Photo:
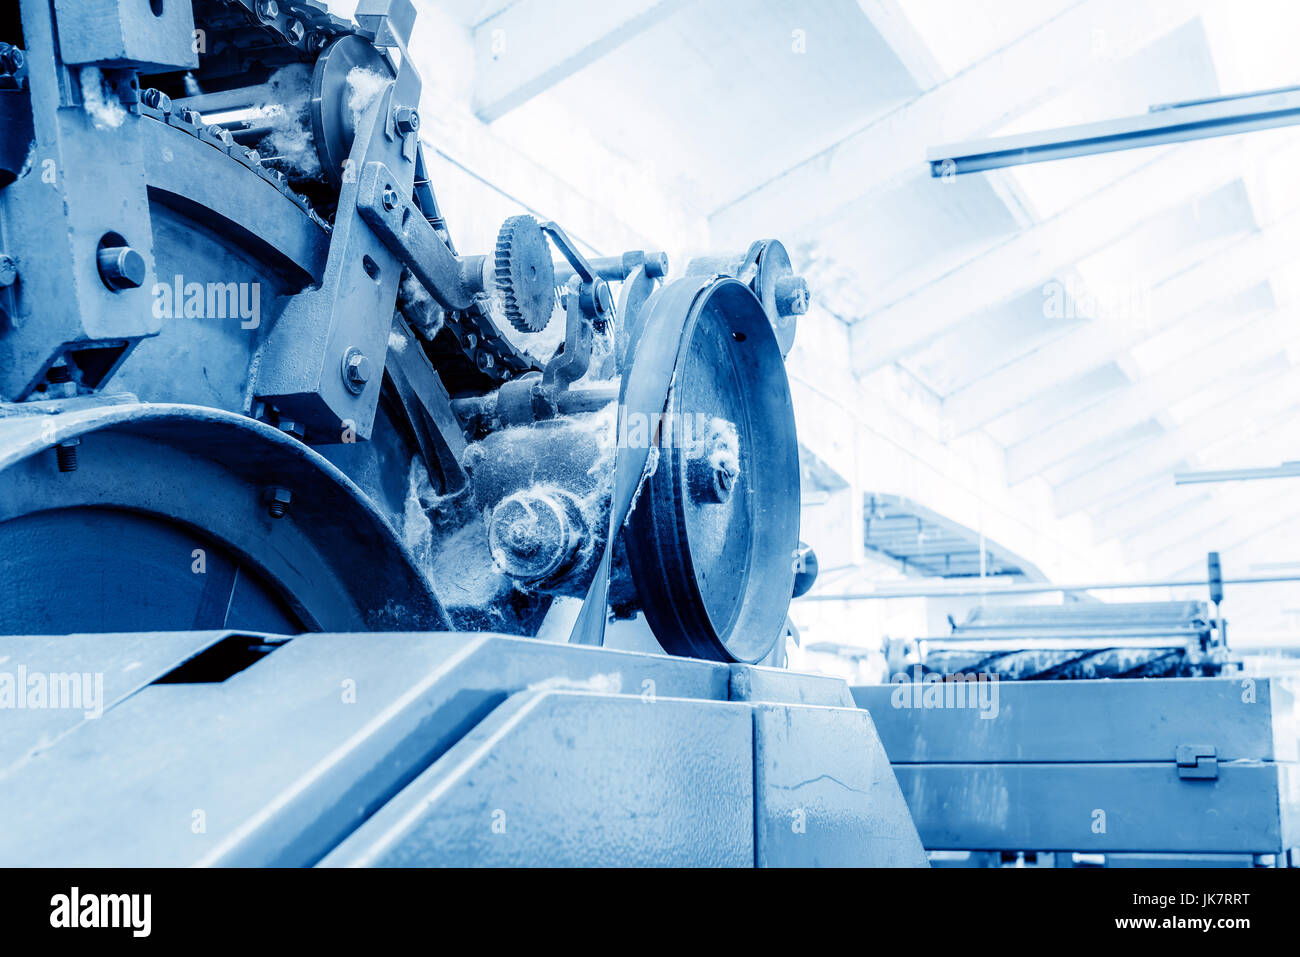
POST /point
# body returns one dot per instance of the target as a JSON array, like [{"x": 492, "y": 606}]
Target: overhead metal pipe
[
  {"x": 1169, "y": 123},
  {"x": 1037, "y": 588}
]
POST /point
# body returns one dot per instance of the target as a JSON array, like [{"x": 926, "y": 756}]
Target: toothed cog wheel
[{"x": 525, "y": 275}]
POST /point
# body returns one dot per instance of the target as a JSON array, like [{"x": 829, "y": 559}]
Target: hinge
[{"x": 1196, "y": 761}]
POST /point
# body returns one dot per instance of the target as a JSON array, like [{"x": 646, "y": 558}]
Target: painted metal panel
[
  {"x": 1128, "y": 720},
  {"x": 82, "y": 677},
  {"x": 571, "y": 779},
  {"x": 279, "y": 762},
  {"x": 1094, "y": 808},
  {"x": 825, "y": 795}
]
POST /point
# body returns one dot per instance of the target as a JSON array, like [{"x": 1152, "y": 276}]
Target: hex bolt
[
  {"x": 406, "y": 119},
  {"x": 66, "y": 453},
  {"x": 296, "y": 30},
  {"x": 292, "y": 427},
  {"x": 267, "y": 10},
  {"x": 791, "y": 296},
  {"x": 121, "y": 267},
  {"x": 8, "y": 270},
  {"x": 11, "y": 58},
  {"x": 277, "y": 501},
  {"x": 390, "y": 199},
  {"x": 604, "y": 298},
  {"x": 356, "y": 370}
]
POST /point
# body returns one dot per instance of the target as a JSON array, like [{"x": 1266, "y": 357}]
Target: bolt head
[
  {"x": 357, "y": 370},
  {"x": 268, "y": 9},
  {"x": 390, "y": 198},
  {"x": 8, "y": 271},
  {"x": 281, "y": 495},
  {"x": 12, "y": 59},
  {"x": 121, "y": 267},
  {"x": 296, "y": 30}
]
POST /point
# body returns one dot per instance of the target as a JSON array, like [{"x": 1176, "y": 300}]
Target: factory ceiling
[{"x": 1107, "y": 320}]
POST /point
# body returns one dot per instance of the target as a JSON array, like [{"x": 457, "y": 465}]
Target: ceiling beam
[
  {"x": 1270, "y": 397},
  {"x": 1157, "y": 503},
  {"x": 1036, "y": 255},
  {"x": 1214, "y": 280},
  {"x": 1194, "y": 524},
  {"x": 1240, "y": 343},
  {"x": 1232, "y": 541},
  {"x": 975, "y": 102},
  {"x": 896, "y": 29},
  {"x": 532, "y": 45}
]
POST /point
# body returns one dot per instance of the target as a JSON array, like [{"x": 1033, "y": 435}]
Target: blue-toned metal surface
[
  {"x": 573, "y": 779},
  {"x": 811, "y": 812},
  {"x": 1165, "y": 766},
  {"x": 80, "y": 677},
  {"x": 279, "y": 762},
  {"x": 130, "y": 461}
]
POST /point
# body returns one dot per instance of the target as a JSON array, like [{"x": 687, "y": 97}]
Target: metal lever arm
[{"x": 393, "y": 216}]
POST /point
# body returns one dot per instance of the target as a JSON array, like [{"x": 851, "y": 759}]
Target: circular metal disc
[
  {"x": 331, "y": 118},
  {"x": 113, "y": 543},
  {"x": 714, "y": 573},
  {"x": 117, "y": 570}
]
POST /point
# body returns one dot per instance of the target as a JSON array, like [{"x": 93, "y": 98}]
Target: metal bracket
[
  {"x": 392, "y": 215},
  {"x": 1196, "y": 762},
  {"x": 589, "y": 307}
]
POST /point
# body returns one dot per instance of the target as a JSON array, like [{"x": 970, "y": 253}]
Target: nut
[
  {"x": 406, "y": 119},
  {"x": 356, "y": 370},
  {"x": 277, "y": 501}
]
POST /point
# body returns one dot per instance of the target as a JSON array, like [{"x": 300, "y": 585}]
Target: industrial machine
[
  {"x": 1013, "y": 741},
  {"x": 1149, "y": 772},
  {"x": 1080, "y": 640},
  {"x": 290, "y": 486}
]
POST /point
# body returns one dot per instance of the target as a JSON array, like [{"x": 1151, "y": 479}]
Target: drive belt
[{"x": 645, "y": 391}]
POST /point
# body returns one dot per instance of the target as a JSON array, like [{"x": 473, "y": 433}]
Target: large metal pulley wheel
[
  {"x": 711, "y": 537},
  {"x": 139, "y": 517}
]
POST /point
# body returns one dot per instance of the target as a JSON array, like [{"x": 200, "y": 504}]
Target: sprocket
[{"x": 525, "y": 275}]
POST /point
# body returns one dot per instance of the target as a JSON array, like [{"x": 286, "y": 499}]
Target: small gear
[{"x": 525, "y": 275}]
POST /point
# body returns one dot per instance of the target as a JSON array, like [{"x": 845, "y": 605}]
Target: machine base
[{"x": 220, "y": 748}]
